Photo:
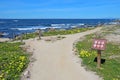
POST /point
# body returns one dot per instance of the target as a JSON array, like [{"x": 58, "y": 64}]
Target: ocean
[{"x": 18, "y": 26}]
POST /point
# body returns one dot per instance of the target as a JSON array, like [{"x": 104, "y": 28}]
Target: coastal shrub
[
  {"x": 64, "y": 32},
  {"x": 26, "y": 36},
  {"x": 12, "y": 61},
  {"x": 55, "y": 32}
]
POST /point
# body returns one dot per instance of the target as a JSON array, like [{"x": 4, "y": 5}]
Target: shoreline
[
  {"x": 44, "y": 29},
  {"x": 4, "y": 39}
]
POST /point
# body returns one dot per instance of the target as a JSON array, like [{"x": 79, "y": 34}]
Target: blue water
[{"x": 18, "y": 26}]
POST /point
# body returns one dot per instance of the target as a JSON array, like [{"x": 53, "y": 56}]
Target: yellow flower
[
  {"x": 1, "y": 75},
  {"x": 22, "y": 58},
  {"x": 84, "y": 53},
  {"x": 114, "y": 79}
]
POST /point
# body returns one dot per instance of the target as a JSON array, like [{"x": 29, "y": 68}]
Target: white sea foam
[
  {"x": 15, "y": 20},
  {"x": 73, "y": 26},
  {"x": 33, "y": 28},
  {"x": 81, "y": 24},
  {"x": 58, "y": 25},
  {"x": 21, "y": 29},
  {"x": 4, "y": 34}
]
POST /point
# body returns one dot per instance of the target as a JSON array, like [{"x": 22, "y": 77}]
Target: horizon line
[{"x": 59, "y": 18}]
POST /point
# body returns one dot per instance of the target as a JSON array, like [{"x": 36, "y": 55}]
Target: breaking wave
[{"x": 32, "y": 28}]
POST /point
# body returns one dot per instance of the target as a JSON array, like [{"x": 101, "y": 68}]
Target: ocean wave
[
  {"x": 15, "y": 20},
  {"x": 21, "y": 29},
  {"x": 32, "y": 28},
  {"x": 4, "y": 34},
  {"x": 67, "y": 24},
  {"x": 58, "y": 25}
]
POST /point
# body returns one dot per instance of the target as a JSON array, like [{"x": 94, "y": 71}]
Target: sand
[
  {"x": 4, "y": 39},
  {"x": 55, "y": 60}
]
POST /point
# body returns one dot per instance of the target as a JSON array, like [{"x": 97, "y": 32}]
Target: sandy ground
[
  {"x": 4, "y": 39},
  {"x": 56, "y": 61},
  {"x": 114, "y": 37}
]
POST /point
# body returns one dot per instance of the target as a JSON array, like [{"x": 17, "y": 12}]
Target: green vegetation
[
  {"x": 55, "y": 32},
  {"x": 26, "y": 36},
  {"x": 13, "y": 61},
  {"x": 110, "y": 70},
  {"x": 65, "y": 32}
]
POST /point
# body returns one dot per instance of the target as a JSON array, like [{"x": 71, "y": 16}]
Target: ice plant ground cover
[
  {"x": 65, "y": 32},
  {"x": 13, "y": 60},
  {"x": 110, "y": 70},
  {"x": 57, "y": 32}
]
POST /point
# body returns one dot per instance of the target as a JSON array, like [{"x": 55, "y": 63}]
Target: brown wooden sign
[{"x": 99, "y": 44}]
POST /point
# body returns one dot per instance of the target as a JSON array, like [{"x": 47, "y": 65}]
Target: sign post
[
  {"x": 21, "y": 37},
  {"x": 99, "y": 45},
  {"x": 98, "y": 59}
]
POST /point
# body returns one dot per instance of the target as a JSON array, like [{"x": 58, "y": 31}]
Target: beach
[{"x": 56, "y": 59}]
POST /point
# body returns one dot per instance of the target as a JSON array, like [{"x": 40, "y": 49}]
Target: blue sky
[{"x": 59, "y": 9}]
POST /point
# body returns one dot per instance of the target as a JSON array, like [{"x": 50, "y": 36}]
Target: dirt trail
[{"x": 56, "y": 61}]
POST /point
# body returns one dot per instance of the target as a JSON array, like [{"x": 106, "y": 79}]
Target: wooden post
[
  {"x": 39, "y": 34},
  {"x": 25, "y": 34},
  {"x": 99, "y": 59},
  {"x": 21, "y": 37}
]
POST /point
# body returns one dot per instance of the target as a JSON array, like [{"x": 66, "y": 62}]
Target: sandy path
[
  {"x": 4, "y": 39},
  {"x": 56, "y": 61}
]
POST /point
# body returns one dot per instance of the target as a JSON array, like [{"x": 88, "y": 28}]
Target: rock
[
  {"x": 26, "y": 74},
  {"x": 1, "y": 34}
]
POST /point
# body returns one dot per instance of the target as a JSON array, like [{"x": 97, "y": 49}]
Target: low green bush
[
  {"x": 12, "y": 61},
  {"x": 65, "y": 32},
  {"x": 55, "y": 32}
]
